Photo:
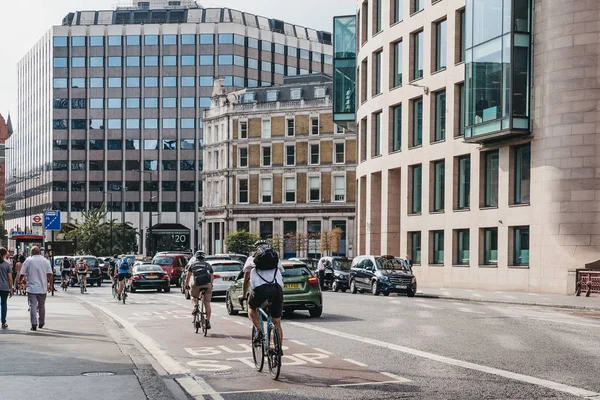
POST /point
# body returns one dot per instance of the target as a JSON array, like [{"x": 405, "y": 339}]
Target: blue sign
[
  {"x": 52, "y": 220},
  {"x": 18, "y": 233}
]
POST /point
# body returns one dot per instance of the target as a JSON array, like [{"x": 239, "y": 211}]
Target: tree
[
  {"x": 93, "y": 233},
  {"x": 241, "y": 242},
  {"x": 277, "y": 243}
]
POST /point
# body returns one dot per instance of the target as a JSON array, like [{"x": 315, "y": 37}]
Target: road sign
[
  {"x": 36, "y": 220},
  {"x": 52, "y": 220}
]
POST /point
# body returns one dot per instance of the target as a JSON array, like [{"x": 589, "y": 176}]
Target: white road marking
[
  {"x": 194, "y": 386},
  {"x": 470, "y": 311},
  {"x": 477, "y": 295},
  {"x": 366, "y": 384},
  {"x": 396, "y": 377},
  {"x": 355, "y": 362},
  {"x": 446, "y": 293},
  {"x": 532, "y": 294},
  {"x": 428, "y": 306},
  {"x": 322, "y": 351},
  {"x": 297, "y": 342},
  {"x": 499, "y": 292},
  {"x": 510, "y": 297},
  {"x": 243, "y": 391},
  {"x": 560, "y": 387}
]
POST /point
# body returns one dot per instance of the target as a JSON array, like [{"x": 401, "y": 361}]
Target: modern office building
[
  {"x": 277, "y": 165},
  {"x": 110, "y": 108},
  {"x": 478, "y": 128}
]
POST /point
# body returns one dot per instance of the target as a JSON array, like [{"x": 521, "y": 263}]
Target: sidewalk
[
  {"x": 73, "y": 357},
  {"x": 539, "y": 299}
]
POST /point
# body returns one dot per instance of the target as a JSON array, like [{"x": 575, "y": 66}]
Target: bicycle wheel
[
  {"x": 274, "y": 353},
  {"x": 81, "y": 286},
  {"x": 204, "y": 325},
  {"x": 124, "y": 295},
  {"x": 258, "y": 353},
  {"x": 196, "y": 323}
]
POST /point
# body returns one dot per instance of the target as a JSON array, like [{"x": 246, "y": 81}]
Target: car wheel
[
  {"x": 353, "y": 287},
  {"x": 344, "y": 290},
  {"x": 335, "y": 287},
  {"x": 410, "y": 293},
  {"x": 99, "y": 283},
  {"x": 167, "y": 289},
  {"x": 229, "y": 306},
  {"x": 386, "y": 294},
  {"x": 316, "y": 312},
  {"x": 375, "y": 288},
  {"x": 159, "y": 290}
]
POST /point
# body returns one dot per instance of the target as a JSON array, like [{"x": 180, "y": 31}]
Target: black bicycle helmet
[
  {"x": 200, "y": 254},
  {"x": 261, "y": 243}
]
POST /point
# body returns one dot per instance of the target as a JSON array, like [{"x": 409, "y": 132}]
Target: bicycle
[
  {"x": 270, "y": 344},
  {"x": 200, "y": 316},
  {"x": 81, "y": 284},
  {"x": 125, "y": 289},
  {"x": 115, "y": 288}
]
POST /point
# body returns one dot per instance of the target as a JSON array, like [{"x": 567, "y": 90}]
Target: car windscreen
[
  {"x": 391, "y": 264},
  {"x": 296, "y": 270},
  {"x": 229, "y": 267},
  {"x": 163, "y": 260},
  {"x": 148, "y": 268},
  {"x": 341, "y": 265},
  {"x": 91, "y": 262}
]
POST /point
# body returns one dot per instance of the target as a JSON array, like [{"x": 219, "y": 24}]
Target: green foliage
[
  {"x": 93, "y": 233},
  {"x": 241, "y": 242}
]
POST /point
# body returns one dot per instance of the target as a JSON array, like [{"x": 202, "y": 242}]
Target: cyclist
[
  {"x": 65, "y": 271},
  {"x": 112, "y": 270},
  {"x": 82, "y": 268},
  {"x": 124, "y": 272},
  {"x": 203, "y": 282},
  {"x": 264, "y": 272}
]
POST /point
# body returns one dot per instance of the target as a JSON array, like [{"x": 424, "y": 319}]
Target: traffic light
[{"x": 18, "y": 247}]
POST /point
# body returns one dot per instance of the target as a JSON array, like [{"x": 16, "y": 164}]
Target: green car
[{"x": 301, "y": 290}]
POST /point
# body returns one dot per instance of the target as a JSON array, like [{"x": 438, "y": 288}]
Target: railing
[
  {"x": 588, "y": 281},
  {"x": 268, "y": 106}
]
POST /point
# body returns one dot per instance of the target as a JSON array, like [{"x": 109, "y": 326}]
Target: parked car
[
  {"x": 225, "y": 272},
  {"x": 382, "y": 274},
  {"x": 171, "y": 263},
  {"x": 301, "y": 290},
  {"x": 218, "y": 257},
  {"x": 148, "y": 276},
  {"x": 94, "y": 274},
  {"x": 103, "y": 267},
  {"x": 141, "y": 262},
  {"x": 337, "y": 273}
]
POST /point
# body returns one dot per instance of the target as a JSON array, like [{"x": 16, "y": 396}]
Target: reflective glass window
[
  {"x": 188, "y": 60},
  {"x": 78, "y": 83},
  {"x": 279, "y": 48},
  {"x": 188, "y": 144},
  {"x": 169, "y": 144},
  {"x": 169, "y": 81},
  {"x": 132, "y": 123},
  {"x": 78, "y": 124},
  {"x": 151, "y": 102},
  {"x": 416, "y": 178},
  {"x": 188, "y": 81},
  {"x": 97, "y": 103},
  {"x": 207, "y": 60},
  {"x": 252, "y": 63},
  {"x": 133, "y": 81},
  {"x": 169, "y": 102},
  {"x": 114, "y": 124},
  {"x": 279, "y": 69},
  {"x": 252, "y": 43},
  {"x": 132, "y": 144},
  {"x": 397, "y": 73},
  {"x": 225, "y": 59},
  {"x": 418, "y": 39},
  {"x": 59, "y": 83},
  {"x": 60, "y": 41},
  {"x": 77, "y": 41},
  {"x": 150, "y": 123},
  {"x": 188, "y": 39},
  {"x": 96, "y": 62},
  {"x": 132, "y": 102},
  {"x": 252, "y": 83},
  {"x": 115, "y": 61},
  {"x": 169, "y": 61},
  {"x": 96, "y": 82},
  {"x": 115, "y": 40},
  {"x": 169, "y": 123},
  {"x": 206, "y": 81},
  {"x": 60, "y": 104},
  {"x": 114, "y": 82},
  {"x": 169, "y": 40},
  {"x": 417, "y": 138},
  {"x": 204, "y": 102},
  {"x": 151, "y": 61},
  {"x": 188, "y": 102},
  {"x": 440, "y": 116},
  {"x": 239, "y": 61},
  {"x": 187, "y": 165},
  {"x": 151, "y": 81},
  {"x": 187, "y": 123},
  {"x": 150, "y": 40},
  {"x": 441, "y": 45},
  {"x": 169, "y": 165},
  {"x": 266, "y": 66},
  {"x": 132, "y": 40},
  {"x": 239, "y": 40},
  {"x": 96, "y": 144},
  {"x": 225, "y": 38},
  {"x": 132, "y": 61},
  {"x": 60, "y": 62},
  {"x": 96, "y": 41},
  {"x": 114, "y": 144},
  {"x": 78, "y": 104},
  {"x": 207, "y": 39}
]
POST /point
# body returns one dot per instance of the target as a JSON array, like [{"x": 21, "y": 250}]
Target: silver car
[{"x": 225, "y": 273}]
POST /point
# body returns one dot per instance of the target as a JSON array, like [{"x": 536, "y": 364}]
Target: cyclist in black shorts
[
  {"x": 266, "y": 284},
  {"x": 112, "y": 270},
  {"x": 82, "y": 268},
  {"x": 65, "y": 270},
  {"x": 124, "y": 270}
]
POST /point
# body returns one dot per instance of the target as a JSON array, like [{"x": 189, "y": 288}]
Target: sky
[{"x": 25, "y": 22}]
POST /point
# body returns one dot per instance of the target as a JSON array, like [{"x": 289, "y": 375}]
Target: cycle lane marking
[{"x": 560, "y": 387}]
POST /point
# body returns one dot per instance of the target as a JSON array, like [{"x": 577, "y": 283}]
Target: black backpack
[
  {"x": 201, "y": 273},
  {"x": 266, "y": 258}
]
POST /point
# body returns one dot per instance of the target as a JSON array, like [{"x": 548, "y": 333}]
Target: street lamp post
[
  {"x": 150, "y": 238},
  {"x": 111, "y": 222}
]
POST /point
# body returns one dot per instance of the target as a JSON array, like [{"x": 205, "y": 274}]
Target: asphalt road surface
[{"x": 366, "y": 347}]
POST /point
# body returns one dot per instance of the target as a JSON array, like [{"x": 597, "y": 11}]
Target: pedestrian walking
[
  {"x": 6, "y": 284},
  {"x": 38, "y": 273},
  {"x": 19, "y": 264},
  {"x": 321, "y": 272}
]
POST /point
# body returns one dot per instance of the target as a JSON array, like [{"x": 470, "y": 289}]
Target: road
[{"x": 367, "y": 347}]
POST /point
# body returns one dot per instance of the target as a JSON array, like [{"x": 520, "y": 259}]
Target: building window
[
  {"x": 171, "y": 61},
  {"x": 266, "y": 156},
  {"x": 460, "y": 121},
  {"x": 149, "y": 40},
  {"x": 340, "y": 153},
  {"x": 248, "y": 97},
  {"x": 396, "y": 114},
  {"x": 441, "y": 47},
  {"x": 290, "y": 155},
  {"x": 462, "y": 247},
  {"x": 440, "y": 116},
  {"x": 521, "y": 245},
  {"x": 295, "y": 94},
  {"x": 272, "y": 95},
  {"x": 490, "y": 246},
  {"x": 464, "y": 182},
  {"x": 438, "y": 185},
  {"x": 397, "y": 12},
  {"x": 376, "y": 82},
  {"x": 266, "y": 190},
  {"x": 266, "y": 128},
  {"x": 151, "y": 81},
  {"x": 463, "y": 36},
  {"x": 397, "y": 67},
  {"x": 243, "y": 191},
  {"x": 415, "y": 247},
  {"x": 133, "y": 82},
  {"x": 314, "y": 126},
  {"x": 243, "y": 129},
  {"x": 290, "y": 190},
  {"x": 290, "y": 126},
  {"x": 314, "y": 154},
  {"x": 243, "y": 157},
  {"x": 339, "y": 188},
  {"x": 320, "y": 92},
  {"x": 314, "y": 189},
  {"x": 417, "y": 123},
  {"x": 115, "y": 61},
  {"x": 376, "y": 135},
  {"x": 78, "y": 41},
  {"x": 491, "y": 179},
  {"x": 418, "y": 55},
  {"x": 363, "y": 139},
  {"x": 522, "y": 177},
  {"x": 418, "y": 5},
  {"x": 416, "y": 181},
  {"x": 378, "y": 16},
  {"x": 132, "y": 61},
  {"x": 438, "y": 247}
]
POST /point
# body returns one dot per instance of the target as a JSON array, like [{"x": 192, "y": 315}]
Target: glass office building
[{"x": 110, "y": 108}]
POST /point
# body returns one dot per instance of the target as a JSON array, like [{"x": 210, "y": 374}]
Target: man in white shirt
[
  {"x": 266, "y": 285},
  {"x": 321, "y": 271},
  {"x": 38, "y": 273}
]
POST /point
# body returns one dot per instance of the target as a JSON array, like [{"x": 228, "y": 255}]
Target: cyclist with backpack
[
  {"x": 202, "y": 274},
  {"x": 123, "y": 273},
  {"x": 65, "y": 271},
  {"x": 82, "y": 268},
  {"x": 264, "y": 271}
]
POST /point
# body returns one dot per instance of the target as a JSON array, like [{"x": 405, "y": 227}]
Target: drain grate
[{"x": 98, "y": 373}]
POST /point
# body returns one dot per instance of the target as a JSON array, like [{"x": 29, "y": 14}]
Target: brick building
[
  {"x": 276, "y": 165},
  {"x": 6, "y": 130}
]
